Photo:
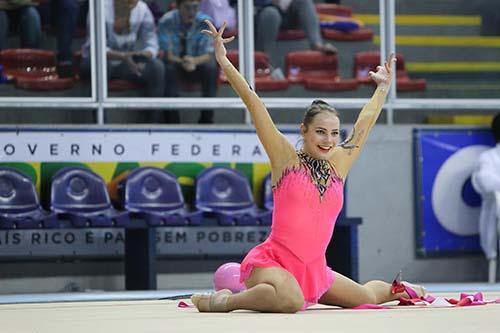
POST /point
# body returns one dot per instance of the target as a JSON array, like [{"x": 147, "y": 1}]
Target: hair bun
[{"x": 319, "y": 102}]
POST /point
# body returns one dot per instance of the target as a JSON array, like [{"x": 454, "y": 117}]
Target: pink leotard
[{"x": 303, "y": 223}]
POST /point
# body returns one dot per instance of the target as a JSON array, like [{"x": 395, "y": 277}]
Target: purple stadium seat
[
  {"x": 154, "y": 195},
  {"x": 226, "y": 194},
  {"x": 81, "y": 195},
  {"x": 19, "y": 204},
  {"x": 267, "y": 188}
]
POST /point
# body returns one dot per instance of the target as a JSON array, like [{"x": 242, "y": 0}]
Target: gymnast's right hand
[{"x": 220, "y": 49}]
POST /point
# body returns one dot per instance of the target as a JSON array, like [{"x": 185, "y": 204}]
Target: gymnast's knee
[{"x": 290, "y": 302}]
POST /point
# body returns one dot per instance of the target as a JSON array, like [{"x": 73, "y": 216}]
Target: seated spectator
[
  {"x": 63, "y": 16},
  {"x": 273, "y": 15},
  {"x": 221, "y": 11},
  {"x": 132, "y": 46},
  {"x": 486, "y": 181},
  {"x": 26, "y": 17},
  {"x": 187, "y": 53}
]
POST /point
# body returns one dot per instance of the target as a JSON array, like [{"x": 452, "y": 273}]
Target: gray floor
[{"x": 183, "y": 293}]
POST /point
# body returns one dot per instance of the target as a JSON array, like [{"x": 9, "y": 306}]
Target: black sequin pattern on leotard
[{"x": 320, "y": 170}]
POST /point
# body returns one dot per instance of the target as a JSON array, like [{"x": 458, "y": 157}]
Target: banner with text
[
  {"x": 40, "y": 152},
  {"x": 155, "y": 145}
]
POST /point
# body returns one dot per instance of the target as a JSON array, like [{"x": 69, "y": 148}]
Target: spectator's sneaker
[{"x": 325, "y": 48}]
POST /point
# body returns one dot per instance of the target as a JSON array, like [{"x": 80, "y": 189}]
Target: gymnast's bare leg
[
  {"x": 270, "y": 289},
  {"x": 348, "y": 294}
]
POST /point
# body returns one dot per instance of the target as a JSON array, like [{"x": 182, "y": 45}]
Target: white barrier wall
[{"x": 381, "y": 191}]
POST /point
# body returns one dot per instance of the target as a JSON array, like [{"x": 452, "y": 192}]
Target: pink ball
[{"x": 227, "y": 276}]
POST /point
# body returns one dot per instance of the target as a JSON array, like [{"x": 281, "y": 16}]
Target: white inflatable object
[{"x": 451, "y": 211}]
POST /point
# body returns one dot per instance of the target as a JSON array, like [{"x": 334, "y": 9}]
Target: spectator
[
  {"x": 221, "y": 11},
  {"x": 273, "y": 15},
  {"x": 187, "y": 53},
  {"x": 132, "y": 46},
  {"x": 486, "y": 181},
  {"x": 62, "y": 15},
  {"x": 25, "y": 16}
]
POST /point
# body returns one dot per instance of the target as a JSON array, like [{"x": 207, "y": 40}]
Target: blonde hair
[{"x": 317, "y": 106}]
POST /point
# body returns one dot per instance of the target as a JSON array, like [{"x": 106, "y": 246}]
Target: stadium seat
[
  {"x": 33, "y": 69},
  {"x": 28, "y": 62},
  {"x": 369, "y": 60},
  {"x": 291, "y": 34},
  {"x": 263, "y": 79},
  {"x": 267, "y": 195},
  {"x": 230, "y": 32},
  {"x": 117, "y": 85},
  {"x": 80, "y": 195},
  {"x": 45, "y": 83},
  {"x": 225, "y": 193},
  {"x": 19, "y": 204},
  {"x": 154, "y": 195},
  {"x": 333, "y": 9},
  {"x": 317, "y": 71},
  {"x": 360, "y": 34},
  {"x": 328, "y": 9}
]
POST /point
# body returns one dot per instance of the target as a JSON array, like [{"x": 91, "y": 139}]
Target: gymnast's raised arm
[
  {"x": 277, "y": 147},
  {"x": 348, "y": 151}
]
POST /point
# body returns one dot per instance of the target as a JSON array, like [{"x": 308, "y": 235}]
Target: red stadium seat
[
  {"x": 316, "y": 70},
  {"x": 28, "y": 62},
  {"x": 333, "y": 9},
  {"x": 45, "y": 83},
  {"x": 230, "y": 32},
  {"x": 361, "y": 34},
  {"x": 305, "y": 64},
  {"x": 122, "y": 85},
  {"x": 369, "y": 60},
  {"x": 291, "y": 34},
  {"x": 33, "y": 69},
  {"x": 263, "y": 79},
  {"x": 407, "y": 84},
  {"x": 329, "y": 84}
]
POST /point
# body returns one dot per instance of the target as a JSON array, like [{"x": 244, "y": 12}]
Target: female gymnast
[{"x": 288, "y": 272}]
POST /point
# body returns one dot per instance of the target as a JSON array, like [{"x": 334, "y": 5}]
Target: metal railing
[{"x": 100, "y": 101}]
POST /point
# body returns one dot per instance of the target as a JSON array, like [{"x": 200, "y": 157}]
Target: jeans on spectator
[
  {"x": 206, "y": 74},
  {"x": 29, "y": 26},
  {"x": 267, "y": 26},
  {"x": 63, "y": 16},
  {"x": 152, "y": 79},
  {"x": 269, "y": 21}
]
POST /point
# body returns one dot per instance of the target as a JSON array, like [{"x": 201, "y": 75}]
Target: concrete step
[{"x": 430, "y": 25}]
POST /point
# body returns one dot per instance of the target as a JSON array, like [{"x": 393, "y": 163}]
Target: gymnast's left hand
[
  {"x": 219, "y": 41},
  {"x": 383, "y": 76}
]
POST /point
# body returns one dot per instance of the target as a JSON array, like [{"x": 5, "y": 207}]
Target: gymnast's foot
[
  {"x": 410, "y": 290},
  {"x": 213, "y": 302}
]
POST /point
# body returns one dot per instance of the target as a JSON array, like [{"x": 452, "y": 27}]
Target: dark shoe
[{"x": 65, "y": 69}]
